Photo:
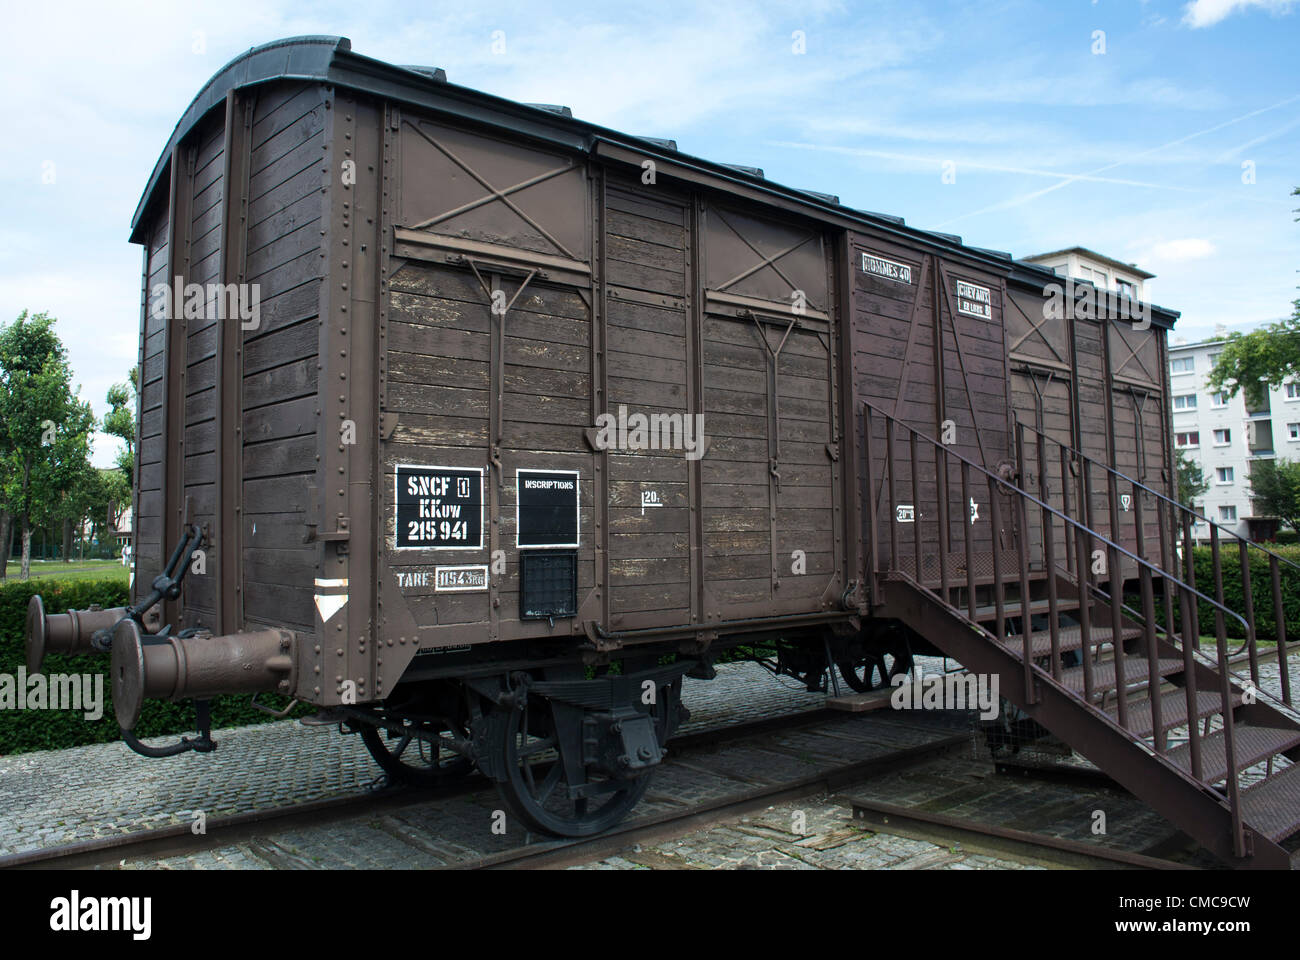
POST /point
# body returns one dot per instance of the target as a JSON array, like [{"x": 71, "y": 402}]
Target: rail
[
  {"x": 1089, "y": 554},
  {"x": 1181, "y": 520}
]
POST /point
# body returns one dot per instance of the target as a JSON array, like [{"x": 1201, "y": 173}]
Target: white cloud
[
  {"x": 1179, "y": 251},
  {"x": 1206, "y": 13}
]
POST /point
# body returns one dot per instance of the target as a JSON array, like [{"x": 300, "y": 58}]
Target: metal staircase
[{"x": 1072, "y": 598}]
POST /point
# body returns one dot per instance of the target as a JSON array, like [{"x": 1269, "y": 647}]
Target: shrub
[
  {"x": 1261, "y": 590},
  {"x": 22, "y": 731}
]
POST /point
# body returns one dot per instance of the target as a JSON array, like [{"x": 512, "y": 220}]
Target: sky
[{"x": 1164, "y": 133}]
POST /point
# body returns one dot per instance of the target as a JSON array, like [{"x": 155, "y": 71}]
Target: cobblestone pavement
[
  {"x": 58, "y": 797},
  {"x": 55, "y": 797}
]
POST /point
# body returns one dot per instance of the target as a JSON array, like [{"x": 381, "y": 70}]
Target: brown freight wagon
[{"x": 479, "y": 426}]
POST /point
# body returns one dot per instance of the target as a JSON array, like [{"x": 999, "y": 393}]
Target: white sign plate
[
  {"x": 468, "y": 579},
  {"x": 889, "y": 269},
  {"x": 974, "y": 300}
]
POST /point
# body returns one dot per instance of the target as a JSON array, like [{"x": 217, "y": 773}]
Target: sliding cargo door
[
  {"x": 1042, "y": 399},
  {"x": 1141, "y": 428},
  {"x": 652, "y": 426},
  {"x": 489, "y": 479},
  {"x": 771, "y": 484}
]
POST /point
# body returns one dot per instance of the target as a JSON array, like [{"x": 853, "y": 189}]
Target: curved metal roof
[{"x": 331, "y": 60}]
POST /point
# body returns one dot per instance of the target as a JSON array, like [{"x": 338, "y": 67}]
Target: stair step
[
  {"x": 1253, "y": 744},
  {"x": 1011, "y": 608},
  {"x": 1069, "y": 638},
  {"x": 1173, "y": 710},
  {"x": 1272, "y": 807},
  {"x": 1103, "y": 674}
]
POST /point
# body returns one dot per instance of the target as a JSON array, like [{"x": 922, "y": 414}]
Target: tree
[
  {"x": 1191, "y": 480},
  {"x": 1275, "y": 489},
  {"x": 119, "y": 421},
  {"x": 44, "y": 429},
  {"x": 69, "y": 473},
  {"x": 1265, "y": 357}
]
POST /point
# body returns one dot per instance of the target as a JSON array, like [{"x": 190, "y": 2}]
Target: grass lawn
[{"x": 83, "y": 570}]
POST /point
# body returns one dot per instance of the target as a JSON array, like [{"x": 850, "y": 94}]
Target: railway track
[
  {"x": 388, "y": 801},
  {"x": 707, "y": 755}
]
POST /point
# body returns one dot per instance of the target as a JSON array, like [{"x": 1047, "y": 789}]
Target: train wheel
[
  {"x": 553, "y": 793},
  {"x": 411, "y": 760}
]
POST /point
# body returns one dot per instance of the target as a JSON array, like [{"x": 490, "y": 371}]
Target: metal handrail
[
  {"x": 1181, "y": 520},
  {"x": 1165, "y": 497},
  {"x": 1146, "y": 568},
  {"x": 1070, "y": 520}
]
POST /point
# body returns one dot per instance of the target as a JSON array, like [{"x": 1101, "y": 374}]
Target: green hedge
[
  {"x": 22, "y": 731},
  {"x": 1261, "y": 582}
]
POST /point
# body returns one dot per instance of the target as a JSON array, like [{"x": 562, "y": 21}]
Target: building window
[
  {"x": 1219, "y": 399},
  {"x": 1126, "y": 289},
  {"x": 1223, "y": 475},
  {"x": 1186, "y": 401},
  {"x": 1293, "y": 431},
  {"x": 1182, "y": 365},
  {"x": 1228, "y": 514},
  {"x": 1222, "y": 438},
  {"x": 1190, "y": 438},
  {"x": 1293, "y": 391},
  {"x": 1214, "y": 358}
]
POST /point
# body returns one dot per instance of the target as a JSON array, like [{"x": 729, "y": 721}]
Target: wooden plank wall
[
  {"x": 646, "y": 269},
  {"x": 147, "y": 522},
  {"x": 279, "y": 402},
  {"x": 439, "y": 362},
  {"x": 897, "y": 364},
  {"x": 200, "y": 363},
  {"x": 891, "y": 336}
]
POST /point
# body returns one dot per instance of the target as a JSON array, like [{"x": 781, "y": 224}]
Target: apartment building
[
  {"x": 1224, "y": 436},
  {"x": 1103, "y": 272}
]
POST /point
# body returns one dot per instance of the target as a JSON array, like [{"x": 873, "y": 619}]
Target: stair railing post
[
  {"x": 892, "y": 519},
  {"x": 916, "y": 505},
  {"x": 1083, "y": 550},
  {"x": 1022, "y": 553},
  {"x": 1189, "y": 688},
  {"x": 1026, "y": 618},
  {"x": 999, "y": 595},
  {"x": 1116, "y": 605},
  {"x": 1218, "y": 581},
  {"x": 969, "y": 536},
  {"x": 945, "y": 532},
  {"x": 1149, "y": 624},
  {"x": 1248, "y": 601},
  {"x": 1049, "y": 556},
  {"x": 1068, "y": 534},
  {"x": 1189, "y": 578},
  {"x": 870, "y": 509},
  {"x": 1279, "y": 624},
  {"x": 1229, "y": 738},
  {"x": 1053, "y": 626}
]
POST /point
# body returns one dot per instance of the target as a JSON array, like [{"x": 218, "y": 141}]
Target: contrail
[{"x": 1025, "y": 198}]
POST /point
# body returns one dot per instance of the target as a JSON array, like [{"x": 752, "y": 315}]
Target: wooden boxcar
[{"x": 475, "y": 424}]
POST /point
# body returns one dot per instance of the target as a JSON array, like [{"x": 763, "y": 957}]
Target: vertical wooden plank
[
  {"x": 229, "y": 371},
  {"x": 599, "y": 388},
  {"x": 178, "y": 254},
  {"x": 855, "y": 448}
]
